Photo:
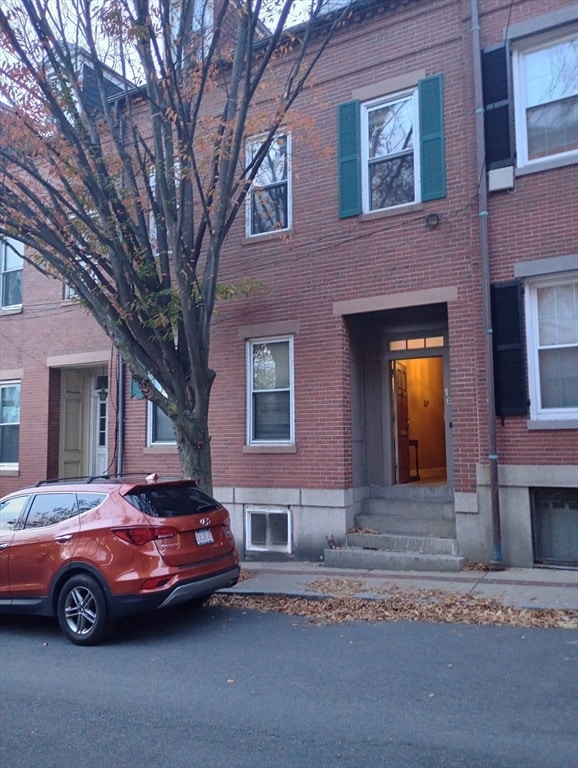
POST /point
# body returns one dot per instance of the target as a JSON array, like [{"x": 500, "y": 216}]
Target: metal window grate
[{"x": 555, "y": 526}]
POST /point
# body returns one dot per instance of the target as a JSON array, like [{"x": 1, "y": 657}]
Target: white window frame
[
  {"x": 256, "y": 141},
  {"x": 537, "y": 412},
  {"x": 150, "y": 419},
  {"x": 15, "y": 248},
  {"x": 268, "y": 546},
  {"x": 520, "y": 49},
  {"x": 249, "y": 351},
  {"x": 150, "y": 422},
  {"x": 368, "y": 107},
  {"x": 12, "y": 465}
]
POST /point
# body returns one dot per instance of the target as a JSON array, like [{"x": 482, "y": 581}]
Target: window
[
  {"x": 546, "y": 98},
  {"x": 391, "y": 150},
  {"x": 10, "y": 511},
  {"x": 10, "y": 274},
  {"x": 268, "y": 530},
  {"x": 51, "y": 508},
  {"x": 552, "y": 332},
  {"x": 390, "y": 165},
  {"x": 270, "y": 391},
  {"x": 269, "y": 199},
  {"x": 530, "y": 89},
  {"x": 9, "y": 424},
  {"x": 160, "y": 427}
]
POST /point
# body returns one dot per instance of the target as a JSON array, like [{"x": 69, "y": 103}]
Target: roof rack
[{"x": 111, "y": 478}]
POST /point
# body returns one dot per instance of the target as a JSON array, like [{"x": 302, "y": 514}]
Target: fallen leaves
[{"x": 400, "y": 605}]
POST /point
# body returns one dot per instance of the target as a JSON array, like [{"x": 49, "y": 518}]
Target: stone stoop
[
  {"x": 391, "y": 552},
  {"x": 401, "y": 535}
]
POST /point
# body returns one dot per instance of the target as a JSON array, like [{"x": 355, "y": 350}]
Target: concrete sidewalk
[{"x": 539, "y": 588}]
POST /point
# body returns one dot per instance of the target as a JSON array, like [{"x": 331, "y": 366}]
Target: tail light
[{"x": 142, "y": 534}]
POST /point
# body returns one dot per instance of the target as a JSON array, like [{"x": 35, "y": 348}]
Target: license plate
[{"x": 205, "y": 536}]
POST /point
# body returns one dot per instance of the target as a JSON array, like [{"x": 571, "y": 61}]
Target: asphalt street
[{"x": 227, "y": 688}]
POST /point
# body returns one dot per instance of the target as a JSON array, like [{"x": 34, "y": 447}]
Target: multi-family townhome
[{"x": 401, "y": 387}]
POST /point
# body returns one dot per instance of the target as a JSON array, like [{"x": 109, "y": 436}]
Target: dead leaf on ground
[{"x": 404, "y": 605}]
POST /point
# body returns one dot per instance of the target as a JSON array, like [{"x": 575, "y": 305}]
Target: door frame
[
  {"x": 388, "y": 421},
  {"x": 92, "y": 458}
]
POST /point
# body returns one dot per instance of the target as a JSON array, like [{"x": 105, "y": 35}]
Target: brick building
[{"x": 352, "y": 391}]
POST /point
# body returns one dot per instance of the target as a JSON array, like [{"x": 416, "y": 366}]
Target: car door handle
[
  {"x": 4, "y": 546},
  {"x": 64, "y": 538}
]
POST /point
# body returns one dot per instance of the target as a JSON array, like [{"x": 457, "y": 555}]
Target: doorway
[
  {"x": 83, "y": 422},
  {"x": 418, "y": 432},
  {"x": 401, "y": 404}
]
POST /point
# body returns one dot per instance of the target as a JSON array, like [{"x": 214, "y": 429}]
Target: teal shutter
[
  {"x": 135, "y": 390},
  {"x": 349, "y": 151},
  {"x": 431, "y": 134}
]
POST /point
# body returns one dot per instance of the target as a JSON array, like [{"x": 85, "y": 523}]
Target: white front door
[{"x": 98, "y": 432}]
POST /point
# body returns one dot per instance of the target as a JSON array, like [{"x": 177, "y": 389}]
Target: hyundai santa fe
[{"x": 92, "y": 551}]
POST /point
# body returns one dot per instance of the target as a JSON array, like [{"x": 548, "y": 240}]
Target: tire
[{"x": 82, "y": 610}]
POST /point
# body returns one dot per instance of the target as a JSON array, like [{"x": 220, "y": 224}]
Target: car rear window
[{"x": 171, "y": 501}]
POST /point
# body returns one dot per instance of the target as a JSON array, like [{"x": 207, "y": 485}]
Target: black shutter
[
  {"x": 497, "y": 107},
  {"x": 511, "y": 391}
]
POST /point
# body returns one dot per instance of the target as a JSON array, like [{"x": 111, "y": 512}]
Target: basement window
[
  {"x": 555, "y": 526},
  {"x": 268, "y": 530}
]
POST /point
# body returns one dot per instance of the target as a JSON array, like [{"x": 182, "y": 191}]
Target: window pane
[
  {"x": 390, "y": 129},
  {"x": 9, "y": 436},
  {"x": 51, "y": 508},
  {"x": 10, "y": 404},
  {"x": 12, "y": 288},
  {"x": 274, "y": 167},
  {"x": 163, "y": 430},
  {"x": 553, "y": 128},
  {"x": 552, "y": 73},
  {"x": 269, "y": 209},
  {"x": 559, "y": 378},
  {"x": 10, "y": 511},
  {"x": 271, "y": 365},
  {"x": 558, "y": 314},
  {"x": 271, "y": 416},
  {"x": 392, "y": 182}
]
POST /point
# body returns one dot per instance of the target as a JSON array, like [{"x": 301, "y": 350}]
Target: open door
[{"x": 401, "y": 423}]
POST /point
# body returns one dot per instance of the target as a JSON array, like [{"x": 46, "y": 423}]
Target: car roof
[{"x": 103, "y": 483}]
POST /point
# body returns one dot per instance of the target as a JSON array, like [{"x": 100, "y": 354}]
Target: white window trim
[
  {"x": 13, "y": 465},
  {"x": 249, "y": 379},
  {"x": 19, "y": 250},
  {"x": 249, "y": 199},
  {"x": 519, "y": 49},
  {"x": 250, "y": 547},
  {"x": 365, "y": 109},
  {"x": 537, "y": 413},
  {"x": 150, "y": 413},
  {"x": 150, "y": 441}
]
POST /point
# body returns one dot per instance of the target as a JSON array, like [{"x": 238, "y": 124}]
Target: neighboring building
[{"x": 353, "y": 392}]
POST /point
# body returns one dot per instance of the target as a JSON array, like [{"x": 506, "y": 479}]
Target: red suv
[{"x": 95, "y": 550}]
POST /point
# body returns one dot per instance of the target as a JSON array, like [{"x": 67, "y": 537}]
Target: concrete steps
[
  {"x": 401, "y": 530},
  {"x": 382, "y": 560}
]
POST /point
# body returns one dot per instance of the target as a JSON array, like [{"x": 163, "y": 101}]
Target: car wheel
[{"x": 82, "y": 610}]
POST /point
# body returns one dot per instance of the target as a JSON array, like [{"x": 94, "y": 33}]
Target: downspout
[
  {"x": 496, "y": 563},
  {"x": 120, "y": 415}
]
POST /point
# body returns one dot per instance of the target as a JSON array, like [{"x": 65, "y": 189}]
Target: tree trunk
[
  {"x": 194, "y": 447},
  {"x": 193, "y": 440}
]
